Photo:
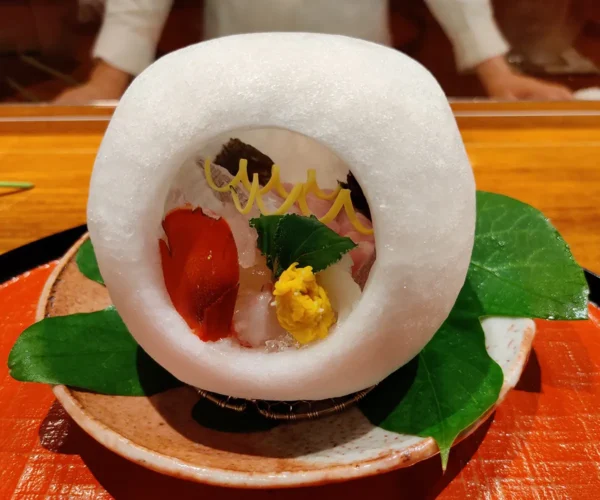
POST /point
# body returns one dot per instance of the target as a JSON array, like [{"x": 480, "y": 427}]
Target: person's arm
[
  {"x": 472, "y": 29},
  {"x": 479, "y": 45},
  {"x": 125, "y": 45},
  {"x": 130, "y": 32}
]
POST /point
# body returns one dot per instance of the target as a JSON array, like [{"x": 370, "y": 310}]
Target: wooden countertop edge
[
  {"x": 106, "y": 108},
  {"x": 469, "y": 114}
]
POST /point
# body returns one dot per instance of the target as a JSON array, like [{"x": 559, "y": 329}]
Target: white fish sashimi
[
  {"x": 243, "y": 235},
  {"x": 254, "y": 319},
  {"x": 344, "y": 293}
]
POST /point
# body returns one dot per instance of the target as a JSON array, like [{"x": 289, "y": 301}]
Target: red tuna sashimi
[{"x": 201, "y": 271}]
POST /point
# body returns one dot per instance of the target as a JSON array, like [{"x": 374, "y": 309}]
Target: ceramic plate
[{"x": 159, "y": 433}]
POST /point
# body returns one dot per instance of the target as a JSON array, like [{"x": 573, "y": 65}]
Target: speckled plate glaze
[{"x": 159, "y": 432}]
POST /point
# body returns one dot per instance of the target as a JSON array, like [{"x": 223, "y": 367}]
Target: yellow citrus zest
[
  {"x": 298, "y": 195},
  {"x": 303, "y": 307}
]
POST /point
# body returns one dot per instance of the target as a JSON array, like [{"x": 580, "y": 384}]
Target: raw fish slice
[
  {"x": 361, "y": 271},
  {"x": 363, "y": 253},
  {"x": 254, "y": 319},
  {"x": 346, "y": 226},
  {"x": 344, "y": 293},
  {"x": 244, "y": 235},
  {"x": 201, "y": 274}
]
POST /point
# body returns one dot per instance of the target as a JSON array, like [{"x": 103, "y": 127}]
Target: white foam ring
[{"x": 380, "y": 112}]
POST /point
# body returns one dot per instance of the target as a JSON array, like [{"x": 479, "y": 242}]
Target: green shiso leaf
[
  {"x": 266, "y": 227},
  {"x": 447, "y": 387},
  {"x": 87, "y": 263},
  {"x": 285, "y": 239},
  {"x": 520, "y": 267},
  {"x": 92, "y": 351}
]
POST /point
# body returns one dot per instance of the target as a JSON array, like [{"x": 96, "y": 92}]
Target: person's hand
[
  {"x": 502, "y": 82},
  {"x": 106, "y": 82}
]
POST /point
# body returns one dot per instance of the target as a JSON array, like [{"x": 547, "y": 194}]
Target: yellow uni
[
  {"x": 303, "y": 307},
  {"x": 296, "y": 195}
]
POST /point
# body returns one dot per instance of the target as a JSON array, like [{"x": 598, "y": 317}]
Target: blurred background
[{"x": 505, "y": 49}]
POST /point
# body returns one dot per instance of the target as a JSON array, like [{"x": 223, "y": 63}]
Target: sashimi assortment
[
  {"x": 220, "y": 297},
  {"x": 290, "y": 220}
]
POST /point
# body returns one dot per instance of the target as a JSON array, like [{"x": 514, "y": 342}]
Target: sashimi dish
[
  {"x": 287, "y": 224},
  {"x": 223, "y": 286},
  {"x": 292, "y": 217}
]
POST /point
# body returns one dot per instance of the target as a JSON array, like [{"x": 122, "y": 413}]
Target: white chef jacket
[{"x": 131, "y": 28}]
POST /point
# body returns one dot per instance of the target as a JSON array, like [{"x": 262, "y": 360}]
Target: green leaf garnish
[
  {"x": 446, "y": 388},
  {"x": 520, "y": 267},
  {"x": 285, "y": 239},
  {"x": 92, "y": 351},
  {"x": 266, "y": 227},
  {"x": 87, "y": 263}
]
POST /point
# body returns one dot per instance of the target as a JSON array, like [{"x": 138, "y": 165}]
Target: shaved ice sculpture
[{"x": 313, "y": 277}]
